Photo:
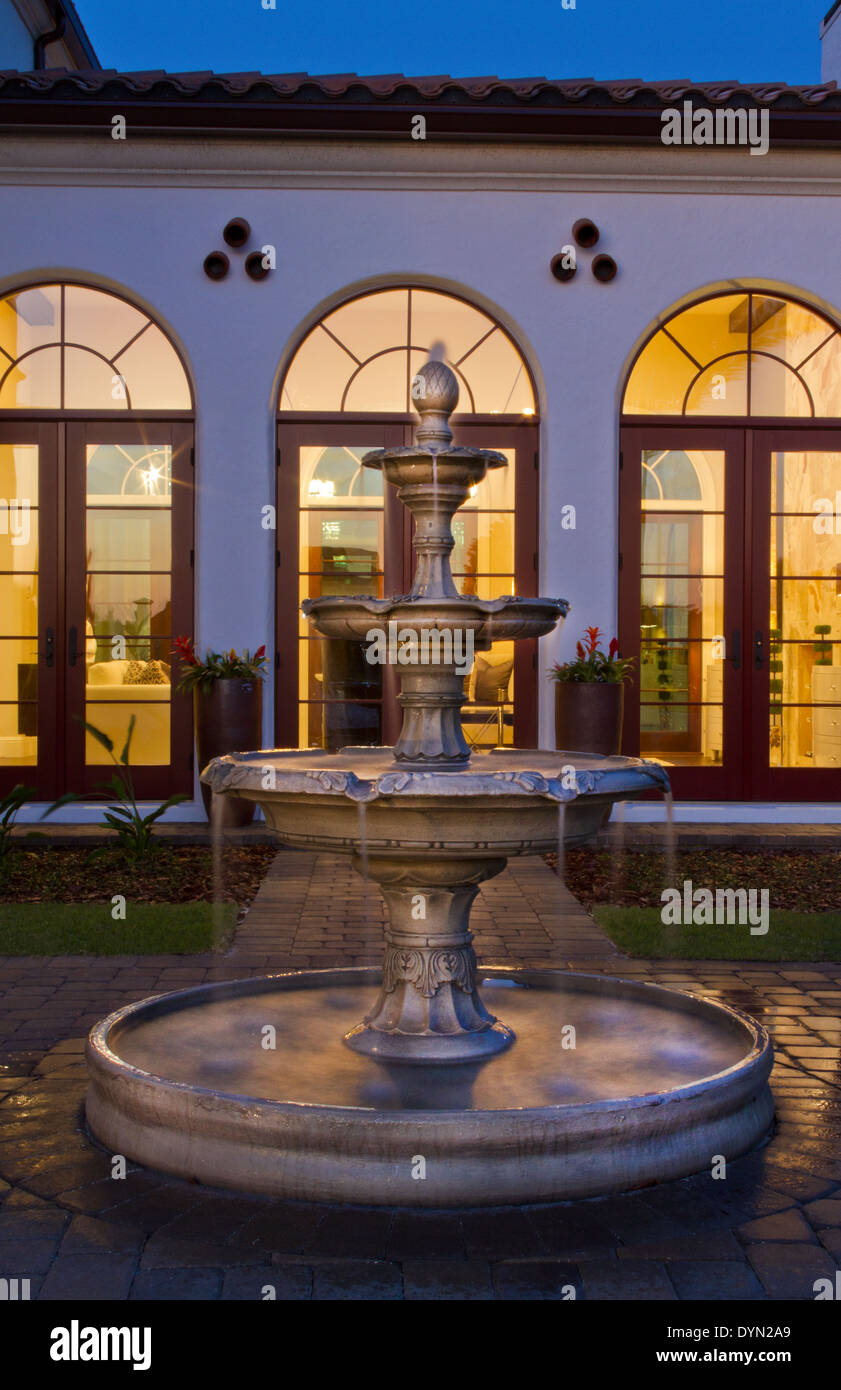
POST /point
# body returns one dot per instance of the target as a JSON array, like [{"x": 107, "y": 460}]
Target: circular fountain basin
[{"x": 657, "y": 1083}]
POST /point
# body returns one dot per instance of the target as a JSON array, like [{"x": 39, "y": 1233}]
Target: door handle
[
  {"x": 72, "y": 646},
  {"x": 758, "y": 657},
  {"x": 736, "y": 649},
  {"x": 49, "y": 648}
]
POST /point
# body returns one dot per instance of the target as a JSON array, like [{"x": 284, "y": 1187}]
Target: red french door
[
  {"x": 730, "y": 603},
  {"x": 94, "y": 597},
  {"x": 794, "y": 714},
  {"x": 340, "y": 530},
  {"x": 30, "y": 634},
  {"x": 682, "y": 604}
]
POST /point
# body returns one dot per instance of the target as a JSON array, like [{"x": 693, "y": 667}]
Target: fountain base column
[{"x": 429, "y": 1009}]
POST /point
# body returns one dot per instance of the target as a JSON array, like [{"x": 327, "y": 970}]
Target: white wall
[
  {"x": 494, "y": 244},
  {"x": 831, "y": 49},
  {"x": 16, "y": 43}
]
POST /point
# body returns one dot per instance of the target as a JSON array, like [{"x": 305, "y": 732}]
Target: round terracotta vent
[
  {"x": 216, "y": 265},
  {"x": 237, "y": 232},
  {"x": 604, "y": 268},
  {"x": 585, "y": 232},
  {"x": 254, "y": 266},
  {"x": 560, "y": 269}
]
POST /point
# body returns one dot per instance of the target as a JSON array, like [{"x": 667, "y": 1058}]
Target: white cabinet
[
  {"x": 713, "y": 720},
  {"x": 826, "y": 722}
]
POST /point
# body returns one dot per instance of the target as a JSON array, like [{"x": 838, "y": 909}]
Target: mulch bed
[
  {"x": 174, "y": 874},
  {"x": 799, "y": 880}
]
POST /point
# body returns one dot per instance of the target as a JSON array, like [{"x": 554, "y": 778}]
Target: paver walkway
[{"x": 768, "y": 1230}]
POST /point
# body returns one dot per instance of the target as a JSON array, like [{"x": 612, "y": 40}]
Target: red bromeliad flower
[
  {"x": 260, "y": 653},
  {"x": 185, "y": 650},
  {"x": 593, "y": 635},
  {"x": 613, "y": 649}
]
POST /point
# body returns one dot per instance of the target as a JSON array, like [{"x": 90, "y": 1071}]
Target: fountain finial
[{"x": 435, "y": 394}]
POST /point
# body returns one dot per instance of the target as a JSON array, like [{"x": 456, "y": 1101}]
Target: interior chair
[{"x": 487, "y": 693}]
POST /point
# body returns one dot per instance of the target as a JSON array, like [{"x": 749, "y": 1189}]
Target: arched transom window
[
  {"x": 750, "y": 354},
  {"x": 362, "y": 356},
  {"x": 69, "y": 347}
]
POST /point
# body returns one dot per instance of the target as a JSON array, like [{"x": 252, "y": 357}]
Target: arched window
[
  {"x": 739, "y": 354},
  {"x": 70, "y": 347},
  {"x": 362, "y": 356},
  {"x": 730, "y": 550},
  {"x": 347, "y": 389},
  {"x": 96, "y": 525}
]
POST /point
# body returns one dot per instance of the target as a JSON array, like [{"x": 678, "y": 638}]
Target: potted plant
[
  {"x": 228, "y": 711},
  {"x": 589, "y": 696}
]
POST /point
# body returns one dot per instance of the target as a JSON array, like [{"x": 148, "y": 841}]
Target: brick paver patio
[{"x": 767, "y": 1231}]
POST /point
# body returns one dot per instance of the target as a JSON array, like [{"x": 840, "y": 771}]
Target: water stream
[
  {"x": 617, "y": 858},
  {"x": 363, "y": 861},
  {"x": 560, "y": 867},
  {"x": 216, "y": 837},
  {"x": 671, "y": 842}
]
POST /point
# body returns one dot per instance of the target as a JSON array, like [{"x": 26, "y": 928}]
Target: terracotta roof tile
[{"x": 383, "y": 86}]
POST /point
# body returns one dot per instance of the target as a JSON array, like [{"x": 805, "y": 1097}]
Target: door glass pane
[
  {"x": 682, "y": 606},
  {"x": 128, "y": 599},
  {"x": 18, "y": 605},
  {"x": 804, "y": 657},
  {"x": 488, "y": 716},
  {"x": 341, "y": 551},
  {"x": 483, "y": 564}
]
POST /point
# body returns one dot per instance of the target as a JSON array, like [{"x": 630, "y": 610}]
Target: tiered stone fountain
[{"x": 275, "y": 1085}]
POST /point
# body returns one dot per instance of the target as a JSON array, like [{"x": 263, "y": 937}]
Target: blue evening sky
[{"x": 752, "y": 40}]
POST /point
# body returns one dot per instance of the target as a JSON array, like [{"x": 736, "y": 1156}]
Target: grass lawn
[
  {"x": 151, "y": 929},
  {"x": 801, "y": 936}
]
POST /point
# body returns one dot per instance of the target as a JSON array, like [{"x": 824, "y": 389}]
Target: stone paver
[{"x": 767, "y": 1230}]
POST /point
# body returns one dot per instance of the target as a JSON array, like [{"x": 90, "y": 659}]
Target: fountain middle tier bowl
[
  {"x": 505, "y": 802},
  {"x": 490, "y": 620}
]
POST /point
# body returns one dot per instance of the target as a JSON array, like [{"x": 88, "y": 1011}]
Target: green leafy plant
[
  {"x": 196, "y": 673},
  {"x": 134, "y": 830},
  {"x": 9, "y": 807},
  {"x": 592, "y": 663},
  {"x": 822, "y": 648}
]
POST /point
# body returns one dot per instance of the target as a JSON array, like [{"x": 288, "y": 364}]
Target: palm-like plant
[{"x": 123, "y": 815}]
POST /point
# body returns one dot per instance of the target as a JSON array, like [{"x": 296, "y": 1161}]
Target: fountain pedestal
[{"x": 429, "y": 1009}]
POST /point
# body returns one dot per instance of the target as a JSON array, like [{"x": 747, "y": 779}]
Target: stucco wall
[
  {"x": 485, "y": 223},
  {"x": 15, "y": 39}
]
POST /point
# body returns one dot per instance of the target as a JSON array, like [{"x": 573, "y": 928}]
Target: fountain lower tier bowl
[{"x": 611, "y": 1085}]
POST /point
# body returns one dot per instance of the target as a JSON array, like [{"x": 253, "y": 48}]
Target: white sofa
[{"x": 110, "y": 703}]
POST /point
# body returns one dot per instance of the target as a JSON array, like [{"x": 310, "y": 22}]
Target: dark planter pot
[
  {"x": 229, "y": 719},
  {"x": 588, "y": 716}
]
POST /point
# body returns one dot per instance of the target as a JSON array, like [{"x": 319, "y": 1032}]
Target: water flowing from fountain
[
  {"x": 670, "y": 865},
  {"x": 216, "y": 838},
  {"x": 617, "y": 854}
]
